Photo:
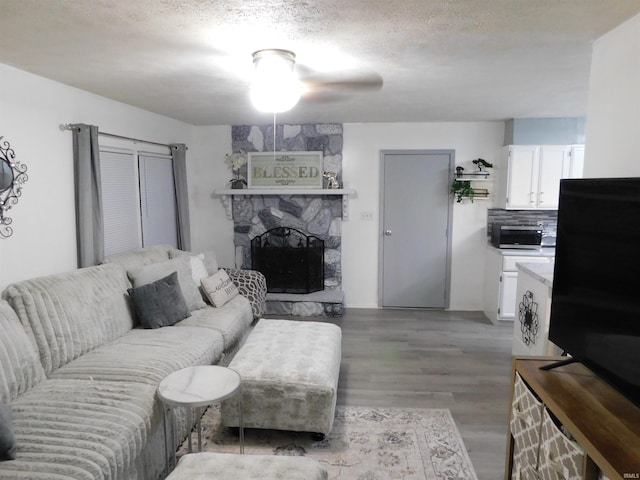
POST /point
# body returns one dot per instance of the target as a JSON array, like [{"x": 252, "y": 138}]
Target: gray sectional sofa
[{"x": 78, "y": 375}]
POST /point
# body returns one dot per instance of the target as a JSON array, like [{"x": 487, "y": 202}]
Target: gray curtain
[
  {"x": 179, "y": 154},
  {"x": 88, "y": 194}
]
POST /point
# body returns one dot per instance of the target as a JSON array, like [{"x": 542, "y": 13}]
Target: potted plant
[
  {"x": 462, "y": 189},
  {"x": 480, "y": 163},
  {"x": 236, "y": 161}
]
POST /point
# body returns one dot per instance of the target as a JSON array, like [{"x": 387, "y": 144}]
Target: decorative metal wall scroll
[
  {"x": 12, "y": 177},
  {"x": 528, "y": 316}
]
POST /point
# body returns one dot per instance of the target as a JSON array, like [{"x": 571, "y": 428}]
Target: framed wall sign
[{"x": 285, "y": 169}]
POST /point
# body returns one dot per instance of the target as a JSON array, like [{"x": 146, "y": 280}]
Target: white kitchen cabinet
[
  {"x": 501, "y": 280},
  {"x": 529, "y": 175},
  {"x": 576, "y": 162},
  {"x": 508, "y": 288}
]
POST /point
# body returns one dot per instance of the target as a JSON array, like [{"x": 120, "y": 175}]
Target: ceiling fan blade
[
  {"x": 335, "y": 86},
  {"x": 347, "y": 80}
]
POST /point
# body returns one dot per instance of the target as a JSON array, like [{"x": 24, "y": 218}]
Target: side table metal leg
[
  {"x": 240, "y": 423},
  {"x": 189, "y": 429},
  {"x": 169, "y": 439},
  {"x": 199, "y": 430},
  {"x": 166, "y": 441}
]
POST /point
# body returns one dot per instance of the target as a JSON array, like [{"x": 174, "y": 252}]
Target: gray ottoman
[
  {"x": 229, "y": 466},
  {"x": 289, "y": 372}
]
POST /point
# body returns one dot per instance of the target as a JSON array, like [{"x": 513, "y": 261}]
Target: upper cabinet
[{"x": 529, "y": 175}]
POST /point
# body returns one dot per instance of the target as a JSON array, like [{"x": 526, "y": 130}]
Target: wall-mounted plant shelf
[
  {"x": 464, "y": 186},
  {"x": 476, "y": 176}
]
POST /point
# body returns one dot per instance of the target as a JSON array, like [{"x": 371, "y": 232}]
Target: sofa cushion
[
  {"x": 84, "y": 430},
  {"x": 8, "y": 446},
  {"x": 198, "y": 268},
  {"x": 155, "y": 271},
  {"x": 209, "y": 258},
  {"x": 233, "y": 321},
  {"x": 20, "y": 367},
  {"x": 146, "y": 356},
  {"x": 219, "y": 288},
  {"x": 136, "y": 259},
  {"x": 160, "y": 303},
  {"x": 68, "y": 314}
]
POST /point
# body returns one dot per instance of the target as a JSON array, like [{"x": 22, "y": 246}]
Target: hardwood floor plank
[{"x": 432, "y": 359}]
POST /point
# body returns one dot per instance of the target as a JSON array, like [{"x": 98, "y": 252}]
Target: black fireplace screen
[{"x": 291, "y": 261}]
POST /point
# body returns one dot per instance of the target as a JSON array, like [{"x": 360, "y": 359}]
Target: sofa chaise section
[
  {"x": 93, "y": 430},
  {"x": 68, "y": 429}
]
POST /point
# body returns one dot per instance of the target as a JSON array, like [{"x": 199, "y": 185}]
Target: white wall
[
  {"x": 361, "y": 170},
  {"x": 32, "y": 109},
  {"x": 613, "y": 139},
  {"x": 210, "y": 228}
]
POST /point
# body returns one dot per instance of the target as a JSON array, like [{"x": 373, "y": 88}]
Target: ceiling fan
[{"x": 279, "y": 82}]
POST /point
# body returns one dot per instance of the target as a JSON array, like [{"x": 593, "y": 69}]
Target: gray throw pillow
[
  {"x": 8, "y": 447},
  {"x": 160, "y": 303},
  {"x": 155, "y": 271}
]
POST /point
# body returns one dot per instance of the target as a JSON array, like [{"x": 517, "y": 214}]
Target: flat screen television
[{"x": 595, "y": 306}]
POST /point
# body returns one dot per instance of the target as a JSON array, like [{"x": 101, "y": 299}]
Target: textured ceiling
[{"x": 446, "y": 60}]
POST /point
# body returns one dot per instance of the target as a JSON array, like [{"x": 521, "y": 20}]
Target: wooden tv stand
[{"x": 602, "y": 422}]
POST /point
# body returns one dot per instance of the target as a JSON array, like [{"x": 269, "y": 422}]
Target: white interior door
[{"x": 415, "y": 220}]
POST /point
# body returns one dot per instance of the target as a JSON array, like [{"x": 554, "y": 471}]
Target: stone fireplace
[{"x": 315, "y": 213}]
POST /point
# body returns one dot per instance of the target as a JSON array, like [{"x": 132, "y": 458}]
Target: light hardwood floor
[{"x": 433, "y": 359}]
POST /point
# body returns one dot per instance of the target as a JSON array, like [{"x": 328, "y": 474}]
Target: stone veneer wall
[{"x": 319, "y": 215}]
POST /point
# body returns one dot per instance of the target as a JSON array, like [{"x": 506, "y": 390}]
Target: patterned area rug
[{"x": 365, "y": 444}]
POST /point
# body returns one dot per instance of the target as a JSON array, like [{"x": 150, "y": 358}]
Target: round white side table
[{"x": 194, "y": 387}]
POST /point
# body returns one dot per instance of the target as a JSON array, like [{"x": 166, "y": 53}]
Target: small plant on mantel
[{"x": 236, "y": 161}]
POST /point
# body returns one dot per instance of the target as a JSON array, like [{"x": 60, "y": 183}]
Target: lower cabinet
[
  {"x": 501, "y": 282},
  {"x": 551, "y": 426}
]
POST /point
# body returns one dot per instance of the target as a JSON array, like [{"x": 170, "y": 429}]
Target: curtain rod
[{"x": 68, "y": 126}]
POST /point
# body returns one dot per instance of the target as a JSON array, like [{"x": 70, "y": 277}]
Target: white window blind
[
  {"x": 157, "y": 200},
  {"x": 120, "y": 201}
]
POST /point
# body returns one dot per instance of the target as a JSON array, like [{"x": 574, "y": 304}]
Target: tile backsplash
[{"x": 547, "y": 218}]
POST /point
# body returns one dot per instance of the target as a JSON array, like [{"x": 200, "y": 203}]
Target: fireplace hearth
[{"x": 290, "y": 260}]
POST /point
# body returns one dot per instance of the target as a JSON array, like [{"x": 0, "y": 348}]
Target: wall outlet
[{"x": 366, "y": 216}]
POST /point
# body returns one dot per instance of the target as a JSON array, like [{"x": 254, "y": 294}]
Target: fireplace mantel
[{"x": 227, "y": 195}]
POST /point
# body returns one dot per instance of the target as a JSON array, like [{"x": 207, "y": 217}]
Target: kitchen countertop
[
  {"x": 525, "y": 252},
  {"x": 543, "y": 272}
]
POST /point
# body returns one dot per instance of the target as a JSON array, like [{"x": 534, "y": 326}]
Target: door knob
[{"x": 388, "y": 233}]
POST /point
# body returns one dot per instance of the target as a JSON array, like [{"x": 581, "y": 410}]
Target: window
[{"x": 138, "y": 199}]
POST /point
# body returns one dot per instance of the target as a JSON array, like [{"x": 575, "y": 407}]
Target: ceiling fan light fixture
[{"x": 275, "y": 87}]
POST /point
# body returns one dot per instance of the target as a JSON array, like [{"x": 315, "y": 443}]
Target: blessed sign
[{"x": 285, "y": 169}]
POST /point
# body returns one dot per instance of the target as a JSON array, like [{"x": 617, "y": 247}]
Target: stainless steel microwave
[{"x": 516, "y": 236}]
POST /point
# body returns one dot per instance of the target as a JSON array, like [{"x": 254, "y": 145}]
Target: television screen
[{"x": 595, "y": 307}]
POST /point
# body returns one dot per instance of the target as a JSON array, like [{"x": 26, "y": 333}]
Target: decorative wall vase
[{"x": 12, "y": 177}]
